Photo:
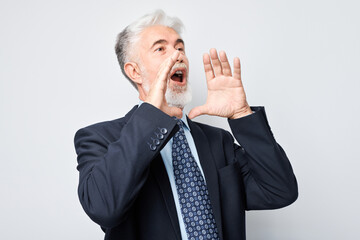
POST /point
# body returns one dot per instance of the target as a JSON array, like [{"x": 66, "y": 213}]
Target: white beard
[{"x": 176, "y": 96}]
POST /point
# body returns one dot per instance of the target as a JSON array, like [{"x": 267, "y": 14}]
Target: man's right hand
[{"x": 156, "y": 95}]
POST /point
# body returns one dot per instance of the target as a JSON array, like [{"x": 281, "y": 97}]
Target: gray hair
[{"x": 126, "y": 39}]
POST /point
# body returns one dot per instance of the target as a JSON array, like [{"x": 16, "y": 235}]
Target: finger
[
  {"x": 225, "y": 64},
  {"x": 237, "y": 68},
  {"x": 215, "y": 62},
  {"x": 197, "y": 111},
  {"x": 209, "y": 74},
  {"x": 166, "y": 66}
]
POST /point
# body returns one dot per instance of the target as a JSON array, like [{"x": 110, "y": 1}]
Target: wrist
[
  {"x": 245, "y": 112},
  {"x": 156, "y": 102},
  {"x": 153, "y": 104}
]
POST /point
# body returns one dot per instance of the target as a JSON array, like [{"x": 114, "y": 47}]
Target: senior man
[{"x": 156, "y": 174}]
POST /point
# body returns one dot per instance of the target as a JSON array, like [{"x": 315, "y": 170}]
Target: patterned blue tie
[{"x": 192, "y": 190}]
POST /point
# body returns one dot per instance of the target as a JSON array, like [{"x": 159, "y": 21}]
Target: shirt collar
[{"x": 183, "y": 118}]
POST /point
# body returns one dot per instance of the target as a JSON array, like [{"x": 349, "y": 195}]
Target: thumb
[{"x": 197, "y": 111}]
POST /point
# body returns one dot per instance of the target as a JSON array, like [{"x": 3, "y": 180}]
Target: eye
[
  {"x": 180, "y": 49},
  {"x": 159, "y": 49}
]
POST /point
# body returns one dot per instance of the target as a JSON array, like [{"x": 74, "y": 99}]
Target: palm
[{"x": 226, "y": 95}]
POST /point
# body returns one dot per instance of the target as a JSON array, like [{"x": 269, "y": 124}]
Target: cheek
[
  {"x": 152, "y": 74},
  {"x": 153, "y": 69}
]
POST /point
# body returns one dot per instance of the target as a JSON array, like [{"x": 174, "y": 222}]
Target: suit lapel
[
  {"x": 210, "y": 171},
  {"x": 162, "y": 178}
]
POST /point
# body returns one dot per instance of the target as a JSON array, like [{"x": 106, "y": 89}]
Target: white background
[{"x": 59, "y": 72}]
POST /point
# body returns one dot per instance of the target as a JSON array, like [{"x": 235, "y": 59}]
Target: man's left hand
[{"x": 226, "y": 96}]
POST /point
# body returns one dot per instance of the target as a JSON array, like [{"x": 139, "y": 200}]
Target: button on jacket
[{"x": 124, "y": 186}]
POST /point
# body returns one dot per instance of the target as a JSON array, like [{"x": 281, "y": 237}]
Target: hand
[
  {"x": 156, "y": 95},
  {"x": 226, "y": 96}
]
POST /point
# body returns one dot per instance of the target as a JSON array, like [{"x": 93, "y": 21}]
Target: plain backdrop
[{"x": 59, "y": 72}]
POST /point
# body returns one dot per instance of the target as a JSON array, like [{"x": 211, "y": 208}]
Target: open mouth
[{"x": 179, "y": 75}]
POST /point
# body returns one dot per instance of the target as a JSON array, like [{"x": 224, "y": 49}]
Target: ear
[{"x": 132, "y": 70}]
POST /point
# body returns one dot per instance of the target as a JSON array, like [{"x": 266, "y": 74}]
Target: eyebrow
[{"x": 179, "y": 40}]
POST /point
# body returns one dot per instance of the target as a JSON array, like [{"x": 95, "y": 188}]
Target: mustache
[{"x": 179, "y": 65}]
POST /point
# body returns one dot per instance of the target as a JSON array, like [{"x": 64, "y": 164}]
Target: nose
[{"x": 180, "y": 58}]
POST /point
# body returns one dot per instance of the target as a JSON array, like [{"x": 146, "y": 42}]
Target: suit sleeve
[
  {"x": 268, "y": 177},
  {"x": 112, "y": 173}
]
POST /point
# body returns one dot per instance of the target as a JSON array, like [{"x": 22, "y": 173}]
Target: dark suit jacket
[{"x": 124, "y": 186}]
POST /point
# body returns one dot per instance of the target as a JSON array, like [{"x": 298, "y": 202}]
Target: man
[{"x": 156, "y": 174}]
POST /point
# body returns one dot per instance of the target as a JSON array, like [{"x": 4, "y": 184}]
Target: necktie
[{"x": 192, "y": 191}]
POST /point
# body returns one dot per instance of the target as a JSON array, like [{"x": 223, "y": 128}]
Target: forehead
[{"x": 154, "y": 33}]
